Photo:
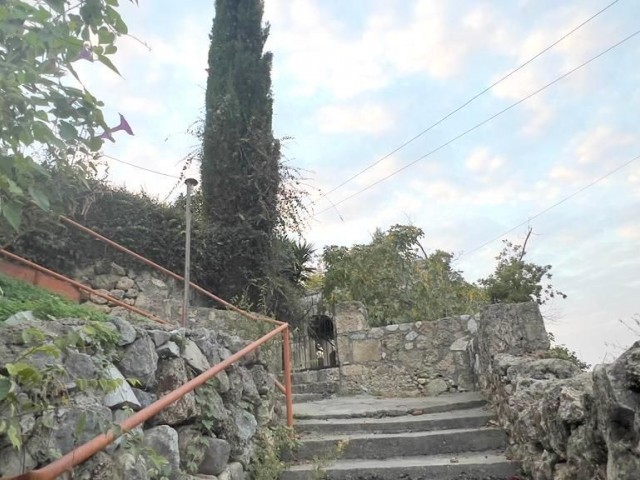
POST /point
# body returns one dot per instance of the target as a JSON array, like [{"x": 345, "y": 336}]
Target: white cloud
[
  {"x": 321, "y": 54},
  {"x": 630, "y": 231},
  {"x": 593, "y": 153},
  {"x": 482, "y": 161},
  {"x": 366, "y": 118},
  {"x": 522, "y": 84},
  {"x": 634, "y": 176},
  {"x": 600, "y": 144}
]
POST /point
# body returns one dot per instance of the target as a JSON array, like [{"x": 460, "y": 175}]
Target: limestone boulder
[
  {"x": 125, "y": 283},
  {"x": 140, "y": 361},
  {"x": 262, "y": 379},
  {"x": 194, "y": 356},
  {"x": 122, "y": 396},
  {"x": 130, "y": 466},
  {"x": 618, "y": 405},
  {"x": 164, "y": 441},
  {"x": 212, "y": 455},
  {"x": 249, "y": 389},
  {"x": 172, "y": 373}
]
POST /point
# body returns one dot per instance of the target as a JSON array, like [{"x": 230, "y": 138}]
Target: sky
[{"x": 353, "y": 81}]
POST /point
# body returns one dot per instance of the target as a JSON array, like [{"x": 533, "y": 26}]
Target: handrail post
[{"x": 288, "y": 394}]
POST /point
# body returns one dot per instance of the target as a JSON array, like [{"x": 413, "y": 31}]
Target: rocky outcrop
[
  {"x": 96, "y": 374},
  {"x": 563, "y": 424}
]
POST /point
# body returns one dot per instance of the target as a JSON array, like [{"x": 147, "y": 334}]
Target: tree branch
[{"x": 524, "y": 245}]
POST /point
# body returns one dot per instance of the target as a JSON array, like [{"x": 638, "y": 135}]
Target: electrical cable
[
  {"x": 487, "y": 120},
  {"x": 476, "y": 96},
  {"x": 140, "y": 167},
  {"x": 542, "y": 212}
]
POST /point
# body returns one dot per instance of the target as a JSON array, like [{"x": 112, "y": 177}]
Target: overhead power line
[
  {"x": 469, "y": 101},
  {"x": 478, "y": 125},
  {"x": 140, "y": 167},
  {"x": 542, "y": 212}
]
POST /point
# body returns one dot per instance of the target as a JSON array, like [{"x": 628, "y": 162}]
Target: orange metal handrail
[
  {"x": 288, "y": 390},
  {"x": 85, "y": 451},
  {"x": 82, "y": 287},
  {"x": 162, "y": 269}
]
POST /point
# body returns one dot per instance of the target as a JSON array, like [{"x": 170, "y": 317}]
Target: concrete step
[
  {"x": 468, "y": 466},
  {"x": 379, "y": 446},
  {"x": 319, "y": 387},
  {"x": 314, "y": 376},
  {"x": 307, "y": 397},
  {"x": 366, "y": 406},
  {"x": 469, "y": 418}
]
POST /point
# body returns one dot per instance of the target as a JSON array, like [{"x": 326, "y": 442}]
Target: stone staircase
[
  {"x": 314, "y": 385},
  {"x": 429, "y": 438}
]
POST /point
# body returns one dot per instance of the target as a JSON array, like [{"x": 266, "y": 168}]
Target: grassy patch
[{"x": 17, "y": 296}]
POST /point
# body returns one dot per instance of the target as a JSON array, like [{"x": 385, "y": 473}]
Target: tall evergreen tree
[{"x": 240, "y": 174}]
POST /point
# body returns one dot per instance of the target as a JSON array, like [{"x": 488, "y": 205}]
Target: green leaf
[
  {"x": 82, "y": 422},
  {"x": 42, "y": 115},
  {"x": 105, "y": 36},
  {"x": 67, "y": 131},
  {"x": 12, "y": 212},
  {"x": 95, "y": 144},
  {"x": 41, "y": 132},
  {"x": 5, "y": 387},
  {"x": 14, "y": 436},
  {"x": 110, "y": 49},
  {"x": 115, "y": 19},
  {"x": 39, "y": 197},
  {"x": 57, "y": 5},
  {"x": 14, "y": 187},
  {"x": 105, "y": 61}
]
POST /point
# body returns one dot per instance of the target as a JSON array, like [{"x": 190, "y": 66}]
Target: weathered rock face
[
  {"x": 617, "y": 400},
  {"x": 211, "y": 454},
  {"x": 161, "y": 360},
  {"x": 563, "y": 424},
  {"x": 172, "y": 373},
  {"x": 164, "y": 441},
  {"x": 140, "y": 361}
]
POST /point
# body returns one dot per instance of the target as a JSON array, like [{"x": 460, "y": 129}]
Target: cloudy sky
[{"x": 355, "y": 80}]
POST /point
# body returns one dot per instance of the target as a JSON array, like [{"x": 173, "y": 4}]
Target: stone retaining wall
[
  {"x": 143, "y": 287},
  {"x": 161, "y": 295},
  {"x": 210, "y": 432},
  {"x": 422, "y": 358}
]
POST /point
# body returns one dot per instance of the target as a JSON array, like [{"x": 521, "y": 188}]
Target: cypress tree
[{"x": 240, "y": 164}]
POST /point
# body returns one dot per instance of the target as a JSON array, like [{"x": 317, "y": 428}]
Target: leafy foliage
[
  {"x": 240, "y": 172},
  {"x": 156, "y": 231},
  {"x": 17, "y": 297},
  {"x": 516, "y": 280},
  {"x": 396, "y": 279},
  {"x": 266, "y": 462},
  {"x": 563, "y": 352},
  {"x": 40, "y": 108}
]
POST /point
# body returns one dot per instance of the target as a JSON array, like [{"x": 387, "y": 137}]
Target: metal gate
[{"x": 313, "y": 346}]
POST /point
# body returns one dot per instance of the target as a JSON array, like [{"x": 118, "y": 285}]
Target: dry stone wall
[
  {"x": 422, "y": 358},
  {"x": 142, "y": 287},
  {"x": 161, "y": 295},
  {"x": 87, "y": 369}
]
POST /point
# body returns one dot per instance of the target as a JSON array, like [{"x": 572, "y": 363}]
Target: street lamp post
[{"x": 190, "y": 182}]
